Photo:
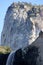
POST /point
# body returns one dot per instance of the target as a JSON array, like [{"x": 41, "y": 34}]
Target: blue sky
[{"x": 4, "y": 4}]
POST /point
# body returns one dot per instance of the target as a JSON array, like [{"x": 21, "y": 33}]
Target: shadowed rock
[
  {"x": 39, "y": 43},
  {"x": 28, "y": 56},
  {"x": 3, "y": 58}
]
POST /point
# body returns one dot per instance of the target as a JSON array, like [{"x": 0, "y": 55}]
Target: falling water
[{"x": 10, "y": 58}]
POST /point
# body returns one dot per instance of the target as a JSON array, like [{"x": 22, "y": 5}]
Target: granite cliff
[{"x": 22, "y": 25}]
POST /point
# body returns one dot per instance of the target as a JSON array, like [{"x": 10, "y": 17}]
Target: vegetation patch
[{"x": 5, "y": 49}]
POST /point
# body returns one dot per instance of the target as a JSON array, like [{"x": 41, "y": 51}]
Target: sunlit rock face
[{"x": 19, "y": 30}]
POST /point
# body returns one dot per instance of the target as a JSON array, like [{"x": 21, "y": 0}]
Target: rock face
[
  {"x": 31, "y": 55},
  {"x": 28, "y": 56},
  {"x": 39, "y": 44},
  {"x": 19, "y": 26}
]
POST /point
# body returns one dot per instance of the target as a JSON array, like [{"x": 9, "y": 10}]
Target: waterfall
[{"x": 10, "y": 58}]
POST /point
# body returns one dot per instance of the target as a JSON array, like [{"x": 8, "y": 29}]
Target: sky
[{"x": 4, "y": 4}]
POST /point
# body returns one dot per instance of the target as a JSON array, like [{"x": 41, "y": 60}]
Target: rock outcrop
[
  {"x": 39, "y": 44},
  {"x": 20, "y": 28},
  {"x": 30, "y": 55},
  {"x": 26, "y": 57}
]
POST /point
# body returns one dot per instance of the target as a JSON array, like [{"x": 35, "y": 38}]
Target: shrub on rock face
[
  {"x": 4, "y": 50},
  {"x": 26, "y": 57}
]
